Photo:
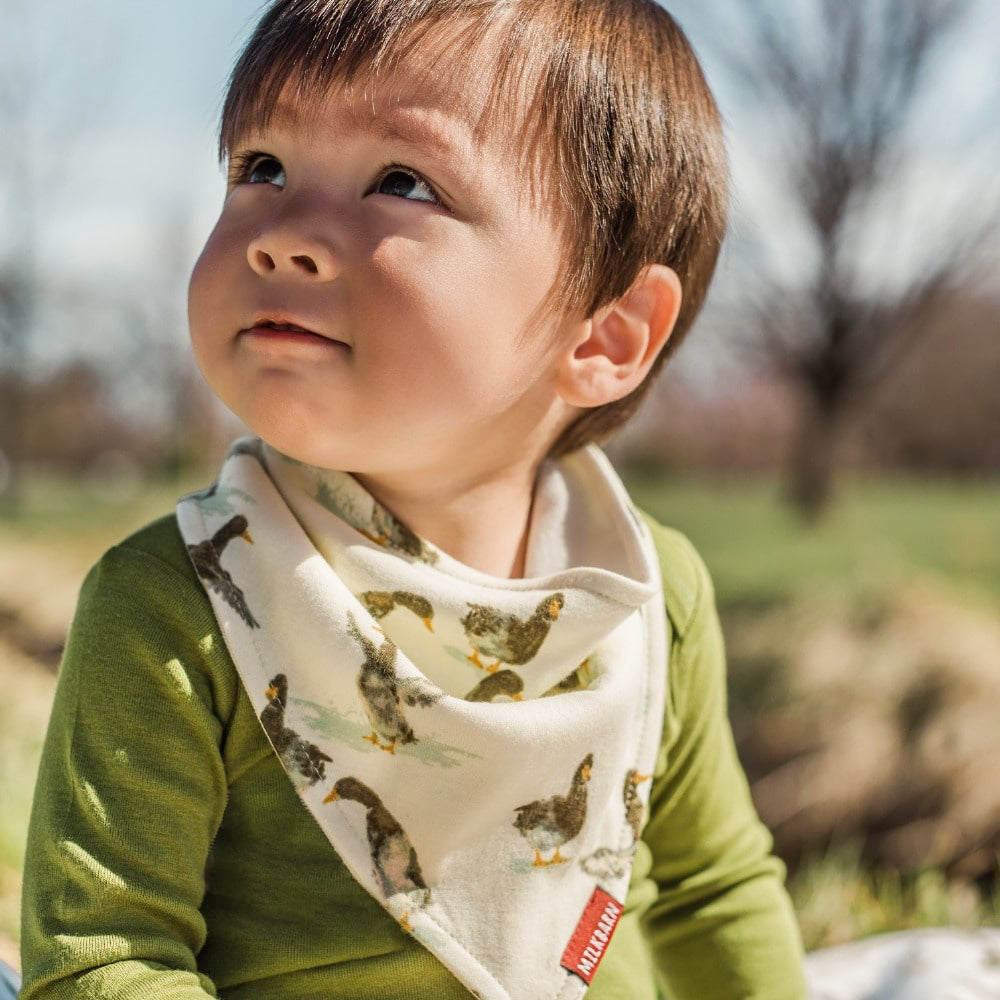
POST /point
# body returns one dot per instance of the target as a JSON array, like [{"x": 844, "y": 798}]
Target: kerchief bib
[{"x": 476, "y": 749}]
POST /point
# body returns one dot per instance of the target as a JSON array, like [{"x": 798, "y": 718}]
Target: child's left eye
[
  {"x": 256, "y": 168},
  {"x": 401, "y": 182},
  {"x": 265, "y": 170}
]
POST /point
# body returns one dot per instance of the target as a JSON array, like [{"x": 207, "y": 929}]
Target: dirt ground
[{"x": 875, "y": 723}]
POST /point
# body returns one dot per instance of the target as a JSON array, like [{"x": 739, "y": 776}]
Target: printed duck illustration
[
  {"x": 634, "y": 809},
  {"x": 383, "y": 692},
  {"x": 391, "y": 533},
  {"x": 577, "y": 680},
  {"x": 502, "y": 684},
  {"x": 206, "y": 558},
  {"x": 549, "y": 823},
  {"x": 394, "y": 860},
  {"x": 506, "y": 637},
  {"x": 298, "y": 755},
  {"x": 611, "y": 862},
  {"x": 381, "y": 602}
]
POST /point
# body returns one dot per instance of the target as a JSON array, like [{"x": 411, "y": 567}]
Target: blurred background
[{"x": 829, "y": 436}]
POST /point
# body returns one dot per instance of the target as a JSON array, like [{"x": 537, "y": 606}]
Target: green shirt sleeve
[
  {"x": 721, "y": 925},
  {"x": 130, "y": 792}
]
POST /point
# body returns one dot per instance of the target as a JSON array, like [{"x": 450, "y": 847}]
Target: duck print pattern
[
  {"x": 394, "y": 860},
  {"x": 302, "y": 759},
  {"x": 613, "y": 862},
  {"x": 380, "y": 603},
  {"x": 506, "y": 684},
  {"x": 576, "y": 680},
  {"x": 549, "y": 823},
  {"x": 348, "y": 500},
  {"x": 383, "y": 692},
  {"x": 507, "y": 638},
  {"x": 635, "y": 810},
  {"x": 207, "y": 556}
]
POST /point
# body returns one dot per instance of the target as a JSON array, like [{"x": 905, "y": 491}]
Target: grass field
[
  {"x": 878, "y": 533},
  {"x": 879, "y": 536}
]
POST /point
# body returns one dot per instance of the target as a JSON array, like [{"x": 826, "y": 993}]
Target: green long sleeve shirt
[{"x": 169, "y": 857}]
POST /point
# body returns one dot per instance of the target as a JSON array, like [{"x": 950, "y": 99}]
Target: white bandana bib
[{"x": 474, "y": 748}]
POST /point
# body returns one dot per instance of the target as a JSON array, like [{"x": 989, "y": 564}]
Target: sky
[
  {"x": 122, "y": 184},
  {"x": 130, "y": 98}
]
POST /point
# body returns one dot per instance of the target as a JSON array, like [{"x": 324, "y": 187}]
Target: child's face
[{"x": 369, "y": 299}]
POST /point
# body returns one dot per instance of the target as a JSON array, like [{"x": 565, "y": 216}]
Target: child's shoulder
[
  {"x": 142, "y": 571},
  {"x": 144, "y": 597},
  {"x": 687, "y": 586},
  {"x": 157, "y": 544}
]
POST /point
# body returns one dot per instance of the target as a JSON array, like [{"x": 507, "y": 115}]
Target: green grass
[
  {"x": 21, "y": 734},
  {"x": 78, "y": 513},
  {"x": 877, "y": 535},
  {"x": 759, "y": 551},
  {"x": 838, "y": 899}
]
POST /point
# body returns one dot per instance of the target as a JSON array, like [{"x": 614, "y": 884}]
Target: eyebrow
[
  {"x": 417, "y": 132},
  {"x": 284, "y": 115}
]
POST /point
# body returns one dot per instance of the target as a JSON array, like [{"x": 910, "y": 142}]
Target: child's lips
[{"x": 281, "y": 331}]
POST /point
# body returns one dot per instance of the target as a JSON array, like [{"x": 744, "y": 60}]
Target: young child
[{"x": 393, "y": 709}]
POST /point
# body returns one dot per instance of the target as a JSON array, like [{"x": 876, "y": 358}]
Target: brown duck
[
  {"x": 549, "y": 823},
  {"x": 389, "y": 532},
  {"x": 502, "y": 684},
  {"x": 381, "y": 602},
  {"x": 393, "y": 858},
  {"x": 634, "y": 809},
  {"x": 298, "y": 755},
  {"x": 383, "y": 692},
  {"x": 507, "y": 638},
  {"x": 575, "y": 681},
  {"x": 206, "y": 559},
  {"x": 379, "y": 691}
]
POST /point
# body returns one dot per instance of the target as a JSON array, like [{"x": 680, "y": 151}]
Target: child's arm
[
  {"x": 130, "y": 794},
  {"x": 722, "y": 925}
]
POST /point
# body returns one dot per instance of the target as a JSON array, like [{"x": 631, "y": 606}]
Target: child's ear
[{"x": 620, "y": 342}]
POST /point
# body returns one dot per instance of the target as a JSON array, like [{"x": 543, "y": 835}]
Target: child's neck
[{"x": 481, "y": 524}]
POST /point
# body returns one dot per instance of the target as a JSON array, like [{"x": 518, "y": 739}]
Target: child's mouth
[
  {"x": 276, "y": 332},
  {"x": 283, "y": 328}
]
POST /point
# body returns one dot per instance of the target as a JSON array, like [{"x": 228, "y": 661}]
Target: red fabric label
[{"x": 592, "y": 935}]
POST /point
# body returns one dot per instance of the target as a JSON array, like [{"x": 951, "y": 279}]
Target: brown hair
[{"x": 625, "y": 112}]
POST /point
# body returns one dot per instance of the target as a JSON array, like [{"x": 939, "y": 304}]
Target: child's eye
[
  {"x": 256, "y": 168},
  {"x": 401, "y": 182}
]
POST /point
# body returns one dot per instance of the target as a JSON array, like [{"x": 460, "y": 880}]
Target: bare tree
[
  {"x": 17, "y": 265},
  {"x": 47, "y": 101},
  {"x": 837, "y": 87}
]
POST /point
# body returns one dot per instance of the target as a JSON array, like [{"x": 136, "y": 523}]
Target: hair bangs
[{"x": 314, "y": 45}]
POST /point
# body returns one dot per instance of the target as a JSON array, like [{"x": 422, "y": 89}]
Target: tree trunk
[{"x": 810, "y": 476}]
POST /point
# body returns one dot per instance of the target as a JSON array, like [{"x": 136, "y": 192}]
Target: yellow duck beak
[
  {"x": 427, "y": 623},
  {"x": 247, "y": 537},
  {"x": 331, "y": 797}
]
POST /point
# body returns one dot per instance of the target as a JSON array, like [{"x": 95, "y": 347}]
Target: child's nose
[{"x": 283, "y": 249}]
